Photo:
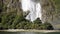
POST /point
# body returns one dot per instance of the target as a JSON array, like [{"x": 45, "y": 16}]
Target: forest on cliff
[{"x": 11, "y": 16}]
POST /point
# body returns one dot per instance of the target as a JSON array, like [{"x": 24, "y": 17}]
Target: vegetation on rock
[{"x": 11, "y": 17}]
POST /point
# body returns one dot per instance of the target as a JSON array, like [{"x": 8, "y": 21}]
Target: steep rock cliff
[{"x": 50, "y": 11}]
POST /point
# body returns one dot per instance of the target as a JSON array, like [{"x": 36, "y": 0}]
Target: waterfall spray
[{"x": 34, "y": 7}]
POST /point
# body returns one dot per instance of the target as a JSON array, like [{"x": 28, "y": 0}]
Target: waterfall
[
  {"x": 34, "y": 7},
  {"x": 25, "y": 4}
]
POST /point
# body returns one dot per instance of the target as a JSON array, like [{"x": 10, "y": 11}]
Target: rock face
[
  {"x": 48, "y": 9},
  {"x": 49, "y": 13},
  {"x": 12, "y": 5}
]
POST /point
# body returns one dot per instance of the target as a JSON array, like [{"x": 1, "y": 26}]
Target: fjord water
[{"x": 29, "y": 33}]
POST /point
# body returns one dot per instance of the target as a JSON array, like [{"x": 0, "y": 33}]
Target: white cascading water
[
  {"x": 35, "y": 12},
  {"x": 25, "y": 4},
  {"x": 33, "y": 7}
]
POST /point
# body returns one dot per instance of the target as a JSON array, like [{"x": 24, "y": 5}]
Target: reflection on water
[{"x": 28, "y": 33}]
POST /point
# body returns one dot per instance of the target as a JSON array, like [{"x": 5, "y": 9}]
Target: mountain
[{"x": 11, "y": 14}]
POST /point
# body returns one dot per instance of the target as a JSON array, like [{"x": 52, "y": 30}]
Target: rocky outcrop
[
  {"x": 50, "y": 13},
  {"x": 12, "y": 6},
  {"x": 48, "y": 8}
]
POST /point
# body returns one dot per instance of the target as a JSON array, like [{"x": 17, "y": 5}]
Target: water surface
[{"x": 29, "y": 33}]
